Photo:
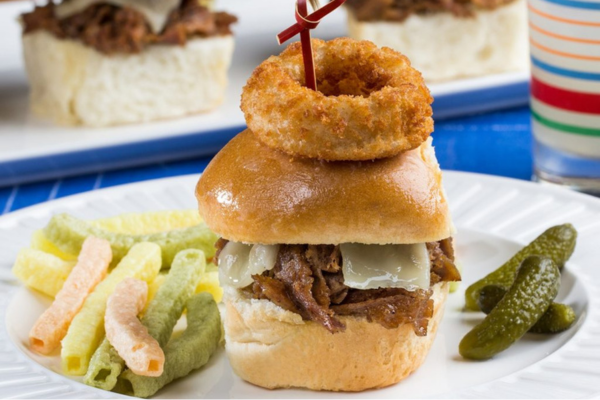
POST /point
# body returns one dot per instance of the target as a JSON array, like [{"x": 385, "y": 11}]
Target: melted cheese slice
[
  {"x": 386, "y": 266},
  {"x": 238, "y": 262},
  {"x": 155, "y": 11},
  {"x": 364, "y": 266}
]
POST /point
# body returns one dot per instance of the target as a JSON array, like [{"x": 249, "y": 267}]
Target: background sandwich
[
  {"x": 446, "y": 39},
  {"x": 106, "y": 62}
]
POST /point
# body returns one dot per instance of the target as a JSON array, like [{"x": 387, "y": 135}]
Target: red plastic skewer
[
  {"x": 307, "y": 54},
  {"x": 304, "y": 23}
]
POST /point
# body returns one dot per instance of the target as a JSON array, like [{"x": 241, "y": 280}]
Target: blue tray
[{"x": 33, "y": 150}]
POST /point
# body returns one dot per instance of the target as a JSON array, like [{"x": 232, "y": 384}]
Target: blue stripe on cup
[
  {"x": 591, "y": 76},
  {"x": 576, "y": 4}
]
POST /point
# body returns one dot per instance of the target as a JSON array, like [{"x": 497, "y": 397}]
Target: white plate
[
  {"x": 494, "y": 216},
  {"x": 32, "y": 149}
]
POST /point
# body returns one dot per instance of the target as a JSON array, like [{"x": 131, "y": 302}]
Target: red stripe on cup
[{"x": 565, "y": 99}]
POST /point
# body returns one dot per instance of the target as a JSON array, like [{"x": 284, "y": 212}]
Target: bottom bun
[
  {"x": 73, "y": 84},
  {"x": 275, "y": 348}
]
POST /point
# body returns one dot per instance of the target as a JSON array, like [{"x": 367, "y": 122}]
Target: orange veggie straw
[
  {"x": 141, "y": 352},
  {"x": 92, "y": 264}
]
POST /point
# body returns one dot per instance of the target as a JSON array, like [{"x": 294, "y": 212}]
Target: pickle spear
[
  {"x": 557, "y": 243},
  {"x": 532, "y": 292},
  {"x": 489, "y": 297},
  {"x": 558, "y": 317}
]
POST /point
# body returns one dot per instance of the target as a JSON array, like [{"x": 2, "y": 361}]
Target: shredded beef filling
[
  {"x": 308, "y": 280},
  {"x": 111, "y": 29},
  {"x": 399, "y": 10}
]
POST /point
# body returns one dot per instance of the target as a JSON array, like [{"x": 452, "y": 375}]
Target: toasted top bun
[{"x": 253, "y": 194}]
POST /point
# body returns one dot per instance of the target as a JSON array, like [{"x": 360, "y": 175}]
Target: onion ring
[{"x": 370, "y": 102}]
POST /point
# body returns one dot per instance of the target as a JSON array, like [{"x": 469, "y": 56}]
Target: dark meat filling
[
  {"x": 399, "y": 10},
  {"x": 308, "y": 280},
  {"x": 306, "y": 289},
  {"x": 392, "y": 310},
  {"x": 441, "y": 255},
  {"x": 111, "y": 29}
]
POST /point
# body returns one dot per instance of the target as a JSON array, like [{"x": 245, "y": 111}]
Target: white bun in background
[
  {"x": 445, "y": 47},
  {"x": 274, "y": 348},
  {"x": 74, "y": 84}
]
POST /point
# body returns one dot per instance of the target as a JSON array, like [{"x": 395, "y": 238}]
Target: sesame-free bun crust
[
  {"x": 254, "y": 194},
  {"x": 274, "y": 348}
]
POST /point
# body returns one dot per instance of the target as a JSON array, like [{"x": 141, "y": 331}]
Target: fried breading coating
[{"x": 370, "y": 102}]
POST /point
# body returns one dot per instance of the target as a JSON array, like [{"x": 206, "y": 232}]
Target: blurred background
[{"x": 96, "y": 94}]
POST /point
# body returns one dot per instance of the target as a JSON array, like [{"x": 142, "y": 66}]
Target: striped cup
[{"x": 565, "y": 86}]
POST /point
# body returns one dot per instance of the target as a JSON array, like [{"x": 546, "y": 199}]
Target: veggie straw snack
[
  {"x": 51, "y": 327},
  {"x": 68, "y": 233},
  {"x": 184, "y": 354},
  {"x": 125, "y": 332},
  {"x": 45, "y": 268},
  {"x": 42, "y": 271},
  {"x": 87, "y": 329},
  {"x": 69, "y": 259},
  {"x": 160, "y": 317}
]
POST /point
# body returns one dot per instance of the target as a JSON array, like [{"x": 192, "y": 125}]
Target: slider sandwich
[
  {"x": 109, "y": 62},
  {"x": 447, "y": 39},
  {"x": 335, "y": 270}
]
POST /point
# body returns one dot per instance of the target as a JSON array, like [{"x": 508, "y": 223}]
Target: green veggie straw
[
  {"x": 68, "y": 233},
  {"x": 184, "y": 354},
  {"x": 160, "y": 318}
]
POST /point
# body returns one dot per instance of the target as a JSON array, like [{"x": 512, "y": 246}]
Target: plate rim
[{"x": 553, "y": 189}]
